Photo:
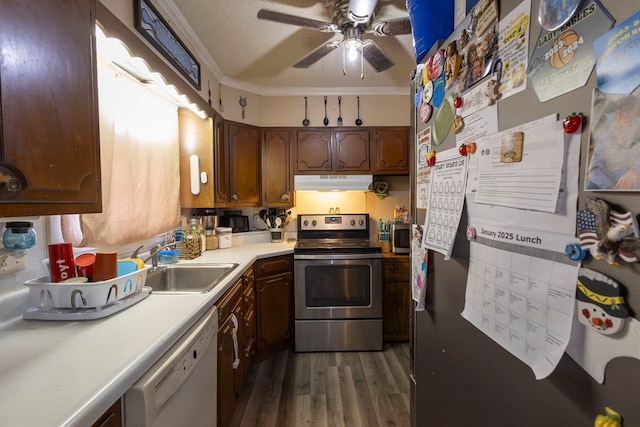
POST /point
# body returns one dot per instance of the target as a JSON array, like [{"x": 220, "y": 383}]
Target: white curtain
[{"x": 140, "y": 165}]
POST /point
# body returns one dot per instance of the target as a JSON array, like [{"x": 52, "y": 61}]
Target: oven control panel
[{"x": 333, "y": 222}]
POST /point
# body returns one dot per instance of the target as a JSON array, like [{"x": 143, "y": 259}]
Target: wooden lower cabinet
[
  {"x": 396, "y": 297},
  {"x": 112, "y": 416},
  {"x": 230, "y": 359},
  {"x": 274, "y": 303},
  {"x": 249, "y": 320}
]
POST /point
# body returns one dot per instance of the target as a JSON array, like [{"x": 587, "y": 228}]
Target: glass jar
[
  {"x": 212, "y": 240},
  {"x": 192, "y": 243},
  {"x": 19, "y": 235}
]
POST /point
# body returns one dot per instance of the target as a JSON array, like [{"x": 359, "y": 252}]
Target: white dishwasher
[{"x": 180, "y": 389}]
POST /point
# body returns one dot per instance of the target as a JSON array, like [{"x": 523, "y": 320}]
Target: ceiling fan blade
[
  {"x": 361, "y": 11},
  {"x": 392, "y": 27},
  {"x": 375, "y": 56},
  {"x": 316, "y": 55},
  {"x": 284, "y": 18}
]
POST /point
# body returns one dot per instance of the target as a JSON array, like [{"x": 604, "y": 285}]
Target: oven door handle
[{"x": 338, "y": 257}]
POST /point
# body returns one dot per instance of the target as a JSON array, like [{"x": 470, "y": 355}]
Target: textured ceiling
[{"x": 261, "y": 53}]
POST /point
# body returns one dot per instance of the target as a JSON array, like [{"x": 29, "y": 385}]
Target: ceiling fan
[{"x": 351, "y": 18}]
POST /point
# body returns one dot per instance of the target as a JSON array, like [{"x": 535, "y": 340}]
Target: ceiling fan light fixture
[{"x": 352, "y": 53}]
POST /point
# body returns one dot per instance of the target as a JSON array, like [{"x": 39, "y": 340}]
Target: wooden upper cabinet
[
  {"x": 243, "y": 166},
  {"x": 392, "y": 150},
  {"x": 277, "y": 174},
  {"x": 49, "y": 144},
  {"x": 352, "y": 151},
  {"x": 196, "y": 139},
  {"x": 338, "y": 150},
  {"x": 313, "y": 151},
  {"x": 220, "y": 160}
]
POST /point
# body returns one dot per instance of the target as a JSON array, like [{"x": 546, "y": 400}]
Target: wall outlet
[{"x": 10, "y": 264}]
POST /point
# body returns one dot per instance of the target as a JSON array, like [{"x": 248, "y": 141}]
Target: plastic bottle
[{"x": 179, "y": 240}]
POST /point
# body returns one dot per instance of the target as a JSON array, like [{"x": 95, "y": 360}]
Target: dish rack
[{"x": 99, "y": 298}]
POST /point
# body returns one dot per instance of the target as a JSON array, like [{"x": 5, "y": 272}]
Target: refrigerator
[{"x": 459, "y": 376}]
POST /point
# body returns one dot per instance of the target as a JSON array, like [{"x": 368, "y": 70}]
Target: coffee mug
[{"x": 61, "y": 265}]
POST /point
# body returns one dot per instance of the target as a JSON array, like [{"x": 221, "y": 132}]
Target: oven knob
[
  {"x": 353, "y": 222},
  {"x": 305, "y": 222},
  {"x": 314, "y": 222},
  {"x": 361, "y": 222}
]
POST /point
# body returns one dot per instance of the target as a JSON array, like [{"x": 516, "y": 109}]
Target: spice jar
[{"x": 212, "y": 240}]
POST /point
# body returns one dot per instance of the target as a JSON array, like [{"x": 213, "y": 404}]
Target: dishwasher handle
[{"x": 234, "y": 336}]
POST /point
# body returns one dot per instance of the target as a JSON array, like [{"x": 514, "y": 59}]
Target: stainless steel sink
[{"x": 187, "y": 278}]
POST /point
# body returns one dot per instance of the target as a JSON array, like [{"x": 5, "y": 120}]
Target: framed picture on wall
[{"x": 157, "y": 31}]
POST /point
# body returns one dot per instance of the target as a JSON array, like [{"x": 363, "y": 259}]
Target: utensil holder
[{"x": 277, "y": 235}]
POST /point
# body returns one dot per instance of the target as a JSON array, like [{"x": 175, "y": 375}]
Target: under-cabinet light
[{"x": 115, "y": 51}]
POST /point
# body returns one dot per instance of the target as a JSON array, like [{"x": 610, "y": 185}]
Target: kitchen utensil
[
  {"x": 358, "y": 121},
  {"x": 278, "y": 222},
  {"x": 268, "y": 221},
  {"x": 326, "y": 119},
  {"x": 305, "y": 122},
  {"x": 339, "y": 111}
]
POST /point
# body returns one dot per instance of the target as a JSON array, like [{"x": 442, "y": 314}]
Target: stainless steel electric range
[{"x": 338, "y": 284}]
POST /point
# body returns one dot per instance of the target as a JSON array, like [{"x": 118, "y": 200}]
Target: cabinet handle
[
  {"x": 403, "y": 164},
  {"x": 234, "y": 336},
  {"x": 341, "y": 165},
  {"x": 284, "y": 197},
  {"x": 235, "y": 197},
  {"x": 12, "y": 183}
]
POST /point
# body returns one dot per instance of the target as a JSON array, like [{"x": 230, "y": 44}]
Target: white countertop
[{"x": 67, "y": 373}]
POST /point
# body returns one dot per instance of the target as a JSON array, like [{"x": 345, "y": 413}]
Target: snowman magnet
[{"x": 601, "y": 305}]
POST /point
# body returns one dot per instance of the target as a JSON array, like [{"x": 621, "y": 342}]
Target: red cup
[
  {"x": 106, "y": 266},
  {"x": 61, "y": 265},
  {"x": 84, "y": 265}
]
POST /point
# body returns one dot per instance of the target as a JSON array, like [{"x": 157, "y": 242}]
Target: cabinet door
[
  {"x": 277, "y": 177},
  {"x": 112, "y": 416},
  {"x": 49, "y": 144},
  {"x": 352, "y": 151},
  {"x": 313, "y": 151},
  {"x": 396, "y": 298},
  {"x": 243, "y": 143},
  {"x": 392, "y": 150},
  {"x": 220, "y": 160},
  {"x": 196, "y": 139},
  {"x": 227, "y": 398},
  {"x": 274, "y": 299}
]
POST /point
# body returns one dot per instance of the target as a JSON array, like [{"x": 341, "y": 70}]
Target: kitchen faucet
[{"x": 153, "y": 254}]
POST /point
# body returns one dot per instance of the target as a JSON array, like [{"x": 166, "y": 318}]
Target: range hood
[{"x": 333, "y": 182}]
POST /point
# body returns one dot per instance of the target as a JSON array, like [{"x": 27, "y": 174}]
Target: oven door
[{"x": 338, "y": 288}]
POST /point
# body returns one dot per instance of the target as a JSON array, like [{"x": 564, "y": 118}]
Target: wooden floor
[{"x": 328, "y": 389}]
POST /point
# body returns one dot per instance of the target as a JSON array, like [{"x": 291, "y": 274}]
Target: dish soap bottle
[{"x": 179, "y": 240}]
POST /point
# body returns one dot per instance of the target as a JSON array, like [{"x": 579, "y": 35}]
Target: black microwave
[{"x": 401, "y": 238}]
